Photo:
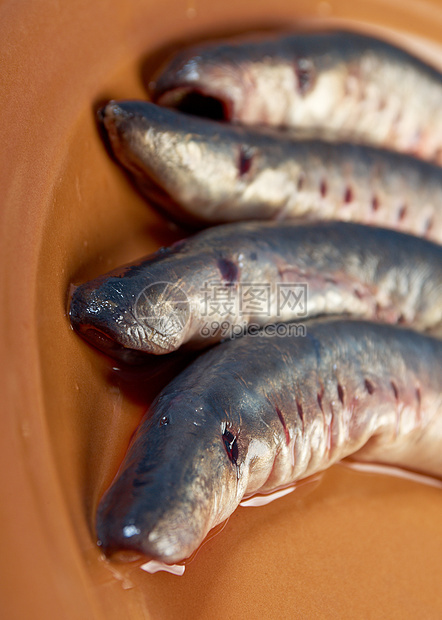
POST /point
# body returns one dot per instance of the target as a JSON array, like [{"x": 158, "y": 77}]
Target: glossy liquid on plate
[{"x": 356, "y": 545}]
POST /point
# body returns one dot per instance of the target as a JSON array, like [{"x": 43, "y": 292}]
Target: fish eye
[
  {"x": 231, "y": 446},
  {"x": 164, "y": 420}
]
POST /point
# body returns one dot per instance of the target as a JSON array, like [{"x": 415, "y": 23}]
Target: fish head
[
  {"x": 118, "y": 313},
  {"x": 237, "y": 80},
  {"x": 220, "y": 80},
  {"x": 183, "y": 164},
  {"x": 180, "y": 478}
]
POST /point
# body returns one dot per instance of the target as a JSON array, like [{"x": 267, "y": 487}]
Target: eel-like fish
[
  {"x": 348, "y": 83},
  {"x": 205, "y": 172},
  {"x": 226, "y": 279},
  {"x": 258, "y": 413}
]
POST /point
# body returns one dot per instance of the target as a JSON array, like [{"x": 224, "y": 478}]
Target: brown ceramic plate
[{"x": 357, "y": 545}]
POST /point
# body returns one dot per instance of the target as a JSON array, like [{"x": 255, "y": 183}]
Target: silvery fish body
[
  {"x": 202, "y": 172},
  {"x": 224, "y": 280},
  {"x": 259, "y": 413},
  {"x": 347, "y": 83}
]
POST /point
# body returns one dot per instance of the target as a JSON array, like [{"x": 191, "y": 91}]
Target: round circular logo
[{"x": 163, "y": 307}]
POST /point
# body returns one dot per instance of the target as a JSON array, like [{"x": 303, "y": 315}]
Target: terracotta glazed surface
[{"x": 356, "y": 545}]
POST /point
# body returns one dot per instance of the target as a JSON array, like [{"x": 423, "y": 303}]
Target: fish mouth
[
  {"x": 131, "y": 344},
  {"x": 196, "y": 101},
  {"x": 125, "y": 546},
  {"x": 108, "y": 346},
  {"x": 168, "y": 536},
  {"x": 146, "y": 326},
  {"x": 100, "y": 340},
  {"x": 134, "y": 350}
]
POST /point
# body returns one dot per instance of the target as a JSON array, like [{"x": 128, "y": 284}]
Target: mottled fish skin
[
  {"x": 203, "y": 172},
  {"x": 176, "y": 296},
  {"x": 355, "y": 85},
  {"x": 259, "y": 413}
]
